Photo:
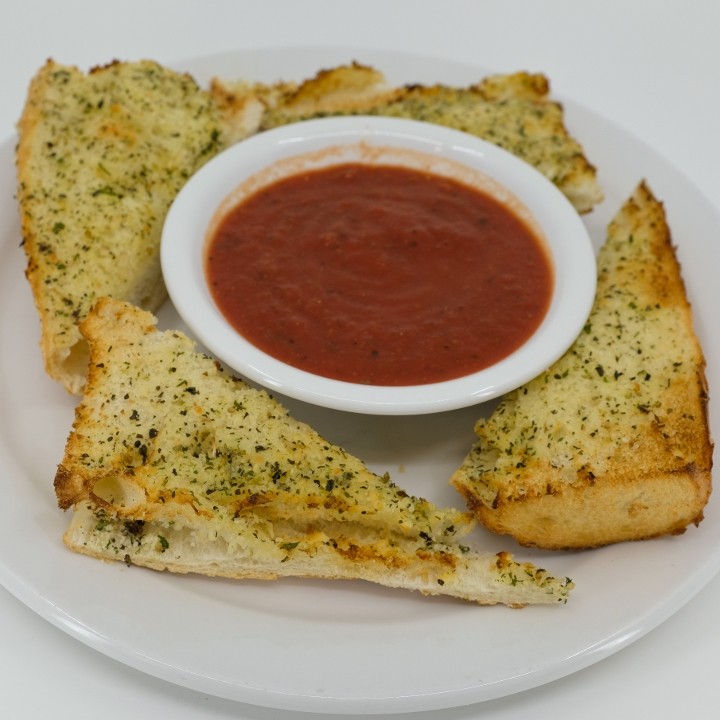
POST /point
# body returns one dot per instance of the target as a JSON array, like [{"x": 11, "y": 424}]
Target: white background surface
[{"x": 652, "y": 67}]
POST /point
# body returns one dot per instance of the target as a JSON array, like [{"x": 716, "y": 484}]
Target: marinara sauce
[{"x": 379, "y": 274}]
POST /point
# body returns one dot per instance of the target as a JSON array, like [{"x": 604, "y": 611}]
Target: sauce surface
[{"x": 379, "y": 274}]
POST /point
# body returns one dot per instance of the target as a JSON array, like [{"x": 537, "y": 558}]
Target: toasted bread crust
[
  {"x": 174, "y": 464},
  {"x": 612, "y": 443},
  {"x": 100, "y": 157},
  {"x": 513, "y": 111}
]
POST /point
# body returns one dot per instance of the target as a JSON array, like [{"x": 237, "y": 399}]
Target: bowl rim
[{"x": 217, "y": 184}]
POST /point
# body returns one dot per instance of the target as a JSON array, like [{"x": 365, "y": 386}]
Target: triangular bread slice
[
  {"x": 612, "y": 442},
  {"x": 100, "y": 158},
  {"x": 514, "y": 111},
  {"x": 174, "y": 464}
]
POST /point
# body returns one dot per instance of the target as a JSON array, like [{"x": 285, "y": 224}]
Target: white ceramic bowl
[{"x": 273, "y": 154}]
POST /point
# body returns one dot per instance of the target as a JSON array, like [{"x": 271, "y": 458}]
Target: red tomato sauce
[{"x": 378, "y": 274}]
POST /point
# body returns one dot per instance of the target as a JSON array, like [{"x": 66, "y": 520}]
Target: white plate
[{"x": 344, "y": 646}]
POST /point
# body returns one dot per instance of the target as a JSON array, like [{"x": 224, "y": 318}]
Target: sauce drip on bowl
[{"x": 380, "y": 275}]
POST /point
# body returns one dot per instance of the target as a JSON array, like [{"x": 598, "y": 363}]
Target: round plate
[
  {"x": 242, "y": 169},
  {"x": 346, "y": 646}
]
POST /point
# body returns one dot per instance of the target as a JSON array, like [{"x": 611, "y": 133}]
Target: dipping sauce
[{"x": 380, "y": 275}]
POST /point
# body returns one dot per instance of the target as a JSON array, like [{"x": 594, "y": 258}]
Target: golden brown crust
[
  {"x": 612, "y": 443},
  {"x": 174, "y": 464},
  {"x": 100, "y": 157},
  {"x": 513, "y": 111}
]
